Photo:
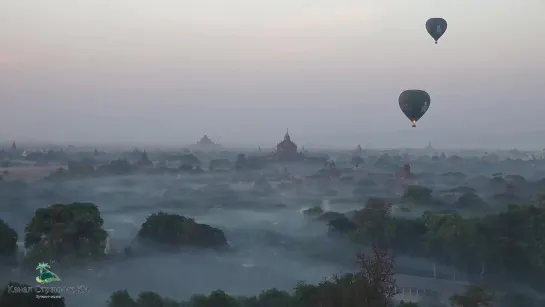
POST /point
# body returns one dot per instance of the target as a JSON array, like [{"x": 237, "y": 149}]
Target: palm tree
[
  {"x": 45, "y": 274},
  {"x": 42, "y": 266}
]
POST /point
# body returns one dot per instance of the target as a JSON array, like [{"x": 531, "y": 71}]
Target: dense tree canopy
[
  {"x": 417, "y": 194},
  {"x": 474, "y": 296},
  {"x": 8, "y": 240},
  {"x": 81, "y": 168},
  {"x": 172, "y": 230},
  {"x": 116, "y": 167},
  {"x": 244, "y": 162},
  {"x": 372, "y": 285},
  {"x": 61, "y": 231},
  {"x": 507, "y": 245}
]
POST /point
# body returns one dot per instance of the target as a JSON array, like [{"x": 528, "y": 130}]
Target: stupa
[
  {"x": 286, "y": 150},
  {"x": 144, "y": 161},
  {"x": 205, "y": 143},
  {"x": 358, "y": 151}
]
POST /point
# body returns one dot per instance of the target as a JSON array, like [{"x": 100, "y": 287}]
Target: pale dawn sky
[{"x": 242, "y": 71}]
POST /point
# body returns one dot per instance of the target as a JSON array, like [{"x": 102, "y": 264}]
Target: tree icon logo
[{"x": 46, "y": 276}]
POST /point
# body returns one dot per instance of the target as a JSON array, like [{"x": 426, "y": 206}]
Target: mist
[{"x": 168, "y": 73}]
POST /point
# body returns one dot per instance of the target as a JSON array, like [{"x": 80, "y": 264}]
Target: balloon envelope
[
  {"x": 414, "y": 104},
  {"x": 436, "y": 27}
]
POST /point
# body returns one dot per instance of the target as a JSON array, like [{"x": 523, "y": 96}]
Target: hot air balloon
[
  {"x": 436, "y": 27},
  {"x": 414, "y": 104}
]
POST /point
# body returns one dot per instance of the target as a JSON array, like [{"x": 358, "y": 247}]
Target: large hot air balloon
[
  {"x": 436, "y": 27},
  {"x": 414, "y": 104}
]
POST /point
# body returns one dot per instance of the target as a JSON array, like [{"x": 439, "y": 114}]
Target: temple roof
[
  {"x": 205, "y": 141},
  {"x": 287, "y": 136},
  {"x": 287, "y": 142},
  {"x": 358, "y": 150},
  {"x": 144, "y": 160}
]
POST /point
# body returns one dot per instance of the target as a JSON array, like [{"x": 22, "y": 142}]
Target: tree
[
  {"x": 471, "y": 201},
  {"x": 149, "y": 299},
  {"x": 173, "y": 230},
  {"x": 219, "y": 298},
  {"x": 356, "y": 161},
  {"x": 121, "y": 298},
  {"x": 474, "y": 296},
  {"x": 341, "y": 224},
  {"x": 117, "y": 167},
  {"x": 22, "y": 295},
  {"x": 59, "y": 232},
  {"x": 372, "y": 285},
  {"x": 374, "y": 220},
  {"x": 8, "y": 240},
  {"x": 273, "y": 298},
  {"x": 417, "y": 194},
  {"x": 376, "y": 276},
  {"x": 81, "y": 168}
]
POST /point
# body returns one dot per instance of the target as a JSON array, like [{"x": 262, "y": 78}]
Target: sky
[{"x": 243, "y": 71}]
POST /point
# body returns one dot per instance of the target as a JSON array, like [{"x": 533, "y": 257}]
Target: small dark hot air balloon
[
  {"x": 414, "y": 104},
  {"x": 436, "y": 27}
]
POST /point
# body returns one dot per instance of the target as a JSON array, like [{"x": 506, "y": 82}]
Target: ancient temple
[
  {"x": 205, "y": 143},
  {"x": 144, "y": 161},
  {"x": 405, "y": 176},
  {"x": 358, "y": 151},
  {"x": 429, "y": 147},
  {"x": 286, "y": 150},
  {"x": 330, "y": 169}
]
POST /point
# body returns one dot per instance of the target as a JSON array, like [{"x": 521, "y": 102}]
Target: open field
[{"x": 29, "y": 173}]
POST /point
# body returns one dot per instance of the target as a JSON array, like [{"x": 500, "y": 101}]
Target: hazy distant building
[
  {"x": 405, "y": 176},
  {"x": 13, "y": 146},
  {"x": 330, "y": 170},
  {"x": 286, "y": 150},
  {"x": 205, "y": 144},
  {"x": 144, "y": 161},
  {"x": 358, "y": 151},
  {"x": 429, "y": 147},
  {"x": 4, "y": 155}
]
